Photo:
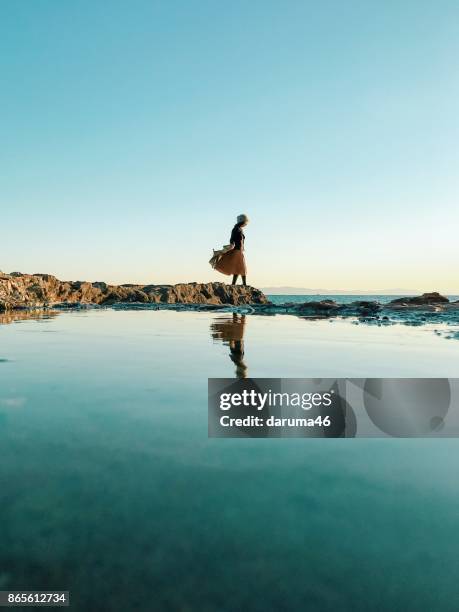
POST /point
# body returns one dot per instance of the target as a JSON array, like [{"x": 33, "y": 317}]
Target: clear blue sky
[{"x": 133, "y": 133}]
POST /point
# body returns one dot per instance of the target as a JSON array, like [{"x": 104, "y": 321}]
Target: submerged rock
[{"x": 42, "y": 290}]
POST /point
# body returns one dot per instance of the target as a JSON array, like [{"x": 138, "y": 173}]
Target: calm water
[{"x": 110, "y": 488}]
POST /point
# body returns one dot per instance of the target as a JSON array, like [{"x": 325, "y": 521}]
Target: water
[
  {"x": 342, "y": 299},
  {"x": 110, "y": 488}
]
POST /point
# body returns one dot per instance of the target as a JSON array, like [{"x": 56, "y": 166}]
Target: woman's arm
[{"x": 233, "y": 237}]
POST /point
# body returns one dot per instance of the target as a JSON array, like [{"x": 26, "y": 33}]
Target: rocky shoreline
[
  {"x": 26, "y": 292},
  {"x": 19, "y": 291}
]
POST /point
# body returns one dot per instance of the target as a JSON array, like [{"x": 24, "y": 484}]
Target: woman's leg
[
  {"x": 234, "y": 278},
  {"x": 244, "y": 281}
]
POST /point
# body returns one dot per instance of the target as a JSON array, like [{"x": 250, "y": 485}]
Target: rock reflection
[
  {"x": 230, "y": 331},
  {"x": 21, "y": 315}
]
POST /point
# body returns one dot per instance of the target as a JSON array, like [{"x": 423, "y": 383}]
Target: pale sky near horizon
[{"x": 133, "y": 133}]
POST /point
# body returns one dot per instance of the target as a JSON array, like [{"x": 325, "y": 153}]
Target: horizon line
[{"x": 321, "y": 291}]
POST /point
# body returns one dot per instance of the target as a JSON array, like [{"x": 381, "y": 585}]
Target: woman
[{"x": 233, "y": 262}]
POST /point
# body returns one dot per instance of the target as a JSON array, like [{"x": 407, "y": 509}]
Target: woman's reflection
[{"x": 230, "y": 331}]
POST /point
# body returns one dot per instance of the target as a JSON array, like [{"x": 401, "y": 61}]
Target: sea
[{"x": 340, "y": 298}]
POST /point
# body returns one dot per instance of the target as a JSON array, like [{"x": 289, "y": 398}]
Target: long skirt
[{"x": 232, "y": 262}]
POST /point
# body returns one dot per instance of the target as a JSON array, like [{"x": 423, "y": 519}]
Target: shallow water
[{"x": 110, "y": 488}]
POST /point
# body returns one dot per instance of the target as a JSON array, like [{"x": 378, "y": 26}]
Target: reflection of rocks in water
[
  {"x": 21, "y": 315},
  {"x": 230, "y": 331}
]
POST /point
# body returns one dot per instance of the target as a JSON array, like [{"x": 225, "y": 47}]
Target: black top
[{"x": 237, "y": 237}]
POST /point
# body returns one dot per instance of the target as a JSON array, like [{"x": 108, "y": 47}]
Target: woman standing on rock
[{"x": 232, "y": 261}]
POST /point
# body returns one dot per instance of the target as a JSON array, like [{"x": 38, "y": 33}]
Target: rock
[
  {"x": 319, "y": 306},
  {"x": 426, "y": 298},
  {"x": 362, "y": 308},
  {"x": 330, "y": 308},
  {"x": 324, "y": 308},
  {"x": 40, "y": 290},
  {"x": 365, "y": 304}
]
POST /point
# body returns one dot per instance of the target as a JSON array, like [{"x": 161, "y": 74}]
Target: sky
[{"x": 132, "y": 133}]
